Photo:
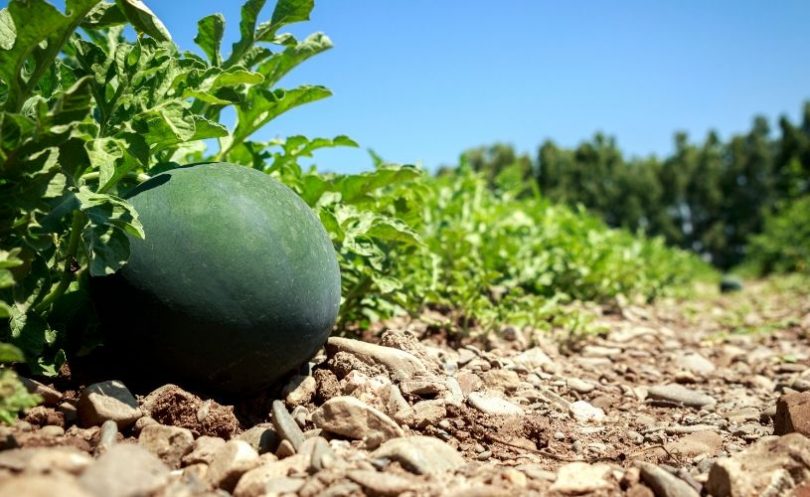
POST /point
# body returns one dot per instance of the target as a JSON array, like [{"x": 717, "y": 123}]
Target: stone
[
  {"x": 285, "y": 425},
  {"x": 126, "y": 470},
  {"x": 299, "y": 390},
  {"x": 203, "y": 450},
  {"x": 42, "y": 486},
  {"x": 694, "y": 363},
  {"x": 580, "y": 386},
  {"x": 254, "y": 482},
  {"x": 600, "y": 351},
  {"x": 664, "y": 483},
  {"x": 230, "y": 462},
  {"x": 454, "y": 394},
  {"x": 584, "y": 412},
  {"x": 423, "y": 386},
  {"x": 402, "y": 365},
  {"x": 421, "y": 455},
  {"x": 792, "y": 414},
  {"x": 394, "y": 404},
  {"x": 52, "y": 431},
  {"x": 772, "y": 466},
  {"x": 500, "y": 379},
  {"x": 533, "y": 359},
  {"x": 678, "y": 394},
  {"x": 696, "y": 444},
  {"x": 50, "y": 396},
  {"x": 262, "y": 437},
  {"x": 428, "y": 412},
  {"x": 107, "y": 400},
  {"x": 469, "y": 382},
  {"x": 384, "y": 484},
  {"x": 285, "y": 449},
  {"x": 69, "y": 411},
  {"x": 352, "y": 418},
  {"x": 107, "y": 436},
  {"x": 639, "y": 490},
  {"x": 195, "y": 471},
  {"x": 494, "y": 405},
  {"x": 321, "y": 456},
  {"x": 581, "y": 478},
  {"x": 169, "y": 443},
  {"x": 45, "y": 459}
]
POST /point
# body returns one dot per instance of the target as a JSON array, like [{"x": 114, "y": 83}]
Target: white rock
[
  {"x": 581, "y": 478},
  {"x": 694, "y": 363},
  {"x": 125, "y": 470},
  {"x": 230, "y": 462},
  {"x": 532, "y": 359},
  {"x": 584, "y": 412},
  {"x": 299, "y": 390},
  {"x": 421, "y": 455},
  {"x": 401, "y": 364},
  {"x": 108, "y": 400},
  {"x": 169, "y": 443},
  {"x": 771, "y": 466},
  {"x": 352, "y": 418},
  {"x": 493, "y": 405}
]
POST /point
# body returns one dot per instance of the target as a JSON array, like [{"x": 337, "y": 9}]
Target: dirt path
[{"x": 648, "y": 407}]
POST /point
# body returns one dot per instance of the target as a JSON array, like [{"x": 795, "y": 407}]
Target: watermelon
[{"x": 235, "y": 285}]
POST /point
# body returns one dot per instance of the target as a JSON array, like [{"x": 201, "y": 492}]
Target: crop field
[{"x": 188, "y": 308}]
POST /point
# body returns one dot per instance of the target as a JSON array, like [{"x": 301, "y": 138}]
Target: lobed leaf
[
  {"x": 144, "y": 20},
  {"x": 209, "y": 37}
]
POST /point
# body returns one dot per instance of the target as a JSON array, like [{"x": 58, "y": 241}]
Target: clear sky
[{"x": 422, "y": 80}]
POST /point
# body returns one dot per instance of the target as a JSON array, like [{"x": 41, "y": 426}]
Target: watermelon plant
[{"x": 88, "y": 114}]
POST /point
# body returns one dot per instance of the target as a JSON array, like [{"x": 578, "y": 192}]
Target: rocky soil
[{"x": 709, "y": 396}]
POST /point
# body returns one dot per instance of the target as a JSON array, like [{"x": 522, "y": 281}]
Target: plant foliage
[
  {"x": 784, "y": 244},
  {"x": 87, "y": 114}
]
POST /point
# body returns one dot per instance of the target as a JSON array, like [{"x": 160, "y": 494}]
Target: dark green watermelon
[{"x": 236, "y": 284}]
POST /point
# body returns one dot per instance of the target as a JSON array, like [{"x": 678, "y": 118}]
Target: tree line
[{"x": 710, "y": 196}]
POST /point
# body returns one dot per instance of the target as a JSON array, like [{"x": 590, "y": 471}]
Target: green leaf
[
  {"x": 108, "y": 210},
  {"x": 29, "y": 332},
  {"x": 209, "y": 36},
  {"x": 285, "y": 12},
  {"x": 274, "y": 68},
  {"x": 233, "y": 76},
  {"x": 8, "y": 31},
  {"x": 247, "y": 28},
  {"x": 104, "y": 15},
  {"x": 73, "y": 104},
  {"x": 9, "y": 353},
  {"x": 104, "y": 153},
  {"x": 144, "y": 20},
  {"x": 35, "y": 22},
  {"x": 108, "y": 248},
  {"x": 263, "y": 106},
  {"x": 358, "y": 187},
  {"x": 206, "y": 128},
  {"x": 164, "y": 126}
]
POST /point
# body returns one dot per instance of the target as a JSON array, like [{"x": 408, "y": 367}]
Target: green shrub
[{"x": 784, "y": 244}]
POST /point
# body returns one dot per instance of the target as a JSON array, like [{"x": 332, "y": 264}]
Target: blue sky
[{"x": 421, "y": 80}]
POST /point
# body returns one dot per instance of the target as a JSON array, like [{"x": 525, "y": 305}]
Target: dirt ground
[{"x": 680, "y": 385}]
